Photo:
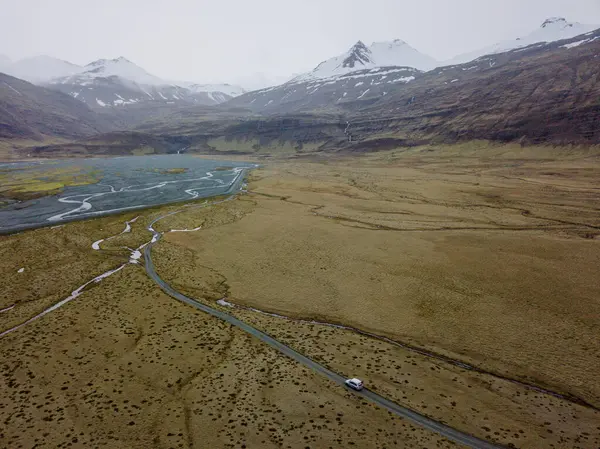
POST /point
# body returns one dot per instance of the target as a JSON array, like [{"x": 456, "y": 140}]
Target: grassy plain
[
  {"x": 128, "y": 367},
  {"x": 125, "y": 366},
  {"x": 491, "y": 261},
  {"x": 488, "y": 258}
]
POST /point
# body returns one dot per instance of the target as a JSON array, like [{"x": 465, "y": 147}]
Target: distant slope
[
  {"x": 330, "y": 93},
  {"x": 552, "y": 30},
  {"x": 541, "y": 94},
  {"x": 34, "y": 112},
  {"x": 40, "y": 69},
  {"x": 117, "y": 143}
]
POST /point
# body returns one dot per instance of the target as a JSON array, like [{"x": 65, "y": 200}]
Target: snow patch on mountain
[
  {"x": 12, "y": 88},
  {"x": 552, "y": 30},
  {"x": 578, "y": 43}
]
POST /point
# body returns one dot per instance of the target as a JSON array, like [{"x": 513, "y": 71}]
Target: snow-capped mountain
[
  {"x": 379, "y": 54},
  {"x": 106, "y": 68},
  {"x": 358, "y": 74},
  {"x": 361, "y": 88},
  {"x": 398, "y": 53},
  {"x": 100, "y": 92},
  {"x": 115, "y": 82},
  {"x": 553, "y": 29},
  {"x": 119, "y": 83},
  {"x": 40, "y": 69}
]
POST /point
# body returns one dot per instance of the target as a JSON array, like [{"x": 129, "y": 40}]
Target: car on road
[{"x": 355, "y": 384}]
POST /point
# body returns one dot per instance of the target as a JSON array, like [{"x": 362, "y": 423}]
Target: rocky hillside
[
  {"x": 33, "y": 112},
  {"x": 329, "y": 93},
  {"x": 117, "y": 143},
  {"x": 540, "y": 94}
]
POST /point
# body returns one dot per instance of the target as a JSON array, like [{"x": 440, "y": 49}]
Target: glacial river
[{"x": 124, "y": 183}]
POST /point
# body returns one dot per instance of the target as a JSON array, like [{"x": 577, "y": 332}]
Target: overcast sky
[{"x": 229, "y": 40}]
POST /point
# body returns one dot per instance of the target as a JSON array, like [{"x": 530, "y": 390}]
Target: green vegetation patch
[
  {"x": 172, "y": 171},
  {"x": 142, "y": 151},
  {"x": 35, "y": 182}
]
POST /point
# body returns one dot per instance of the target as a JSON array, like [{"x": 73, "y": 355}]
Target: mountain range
[
  {"x": 340, "y": 98},
  {"x": 399, "y": 53},
  {"x": 364, "y": 73},
  {"x": 119, "y": 83},
  {"x": 378, "y": 54},
  {"x": 115, "y": 83}
]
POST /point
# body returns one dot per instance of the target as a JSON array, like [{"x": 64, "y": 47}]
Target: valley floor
[{"x": 451, "y": 259}]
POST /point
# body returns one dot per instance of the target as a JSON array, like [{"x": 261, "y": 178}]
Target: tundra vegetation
[{"x": 465, "y": 277}]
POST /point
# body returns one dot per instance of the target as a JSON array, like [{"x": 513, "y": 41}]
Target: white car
[{"x": 355, "y": 384}]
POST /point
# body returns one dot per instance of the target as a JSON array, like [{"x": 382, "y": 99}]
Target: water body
[{"x": 125, "y": 183}]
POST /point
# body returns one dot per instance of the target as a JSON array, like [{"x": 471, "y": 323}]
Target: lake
[{"x": 120, "y": 184}]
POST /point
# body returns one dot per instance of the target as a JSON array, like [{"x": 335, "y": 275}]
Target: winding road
[{"x": 399, "y": 410}]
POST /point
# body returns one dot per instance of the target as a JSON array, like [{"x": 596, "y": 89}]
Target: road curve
[{"x": 423, "y": 421}]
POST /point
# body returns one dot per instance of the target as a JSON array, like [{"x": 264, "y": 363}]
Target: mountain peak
[
  {"x": 396, "y": 53},
  {"x": 103, "y": 62},
  {"x": 555, "y": 20},
  {"x": 120, "y": 67},
  {"x": 358, "y": 54},
  {"x": 96, "y": 63}
]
